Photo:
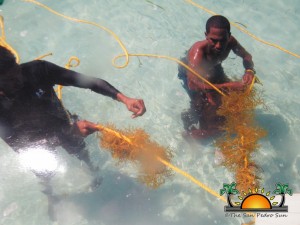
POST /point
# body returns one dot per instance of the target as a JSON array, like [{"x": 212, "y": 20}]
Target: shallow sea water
[{"x": 164, "y": 28}]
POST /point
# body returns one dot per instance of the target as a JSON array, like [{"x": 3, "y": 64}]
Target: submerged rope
[
  {"x": 191, "y": 178},
  {"x": 43, "y": 56},
  {"x": 123, "y": 137}
]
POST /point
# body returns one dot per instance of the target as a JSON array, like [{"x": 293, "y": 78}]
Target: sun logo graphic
[{"x": 255, "y": 200}]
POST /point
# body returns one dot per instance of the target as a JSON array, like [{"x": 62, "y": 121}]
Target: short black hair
[
  {"x": 7, "y": 60},
  {"x": 217, "y": 21}
]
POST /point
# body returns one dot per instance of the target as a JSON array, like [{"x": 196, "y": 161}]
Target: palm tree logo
[
  {"x": 282, "y": 189},
  {"x": 256, "y": 200},
  {"x": 229, "y": 189}
]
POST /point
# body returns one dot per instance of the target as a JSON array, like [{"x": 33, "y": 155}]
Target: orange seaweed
[
  {"x": 241, "y": 136},
  {"x": 140, "y": 151}
]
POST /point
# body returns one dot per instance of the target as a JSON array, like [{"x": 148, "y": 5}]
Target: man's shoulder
[
  {"x": 32, "y": 64},
  {"x": 199, "y": 44},
  {"x": 232, "y": 41},
  {"x": 198, "y": 48},
  {"x": 34, "y": 71}
]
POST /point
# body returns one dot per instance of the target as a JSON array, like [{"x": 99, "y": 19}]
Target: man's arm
[
  {"x": 195, "y": 58},
  {"x": 247, "y": 61},
  {"x": 58, "y": 75}
]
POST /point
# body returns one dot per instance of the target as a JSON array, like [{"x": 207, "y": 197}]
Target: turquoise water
[{"x": 158, "y": 27}]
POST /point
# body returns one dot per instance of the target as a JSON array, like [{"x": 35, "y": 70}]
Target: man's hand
[
  {"x": 248, "y": 77},
  {"x": 86, "y": 128},
  {"x": 136, "y": 106}
]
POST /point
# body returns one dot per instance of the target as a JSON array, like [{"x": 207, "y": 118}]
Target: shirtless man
[{"x": 205, "y": 57}]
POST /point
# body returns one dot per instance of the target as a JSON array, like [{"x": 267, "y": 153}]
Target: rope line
[
  {"x": 43, "y": 56},
  {"x": 191, "y": 178}
]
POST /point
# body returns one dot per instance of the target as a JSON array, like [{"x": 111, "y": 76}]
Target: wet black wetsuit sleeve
[{"x": 65, "y": 77}]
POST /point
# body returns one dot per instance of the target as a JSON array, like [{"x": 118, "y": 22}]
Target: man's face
[{"x": 218, "y": 39}]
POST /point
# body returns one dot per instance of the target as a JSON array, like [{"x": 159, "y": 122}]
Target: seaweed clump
[
  {"x": 135, "y": 146},
  {"x": 241, "y": 136}
]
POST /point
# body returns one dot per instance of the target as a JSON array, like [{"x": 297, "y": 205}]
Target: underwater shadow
[
  {"x": 282, "y": 141},
  {"x": 277, "y": 128}
]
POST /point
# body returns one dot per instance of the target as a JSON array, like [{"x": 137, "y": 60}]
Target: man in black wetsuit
[{"x": 31, "y": 114}]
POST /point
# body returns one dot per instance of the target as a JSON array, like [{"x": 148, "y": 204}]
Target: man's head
[
  {"x": 7, "y": 60},
  {"x": 10, "y": 76},
  {"x": 217, "y": 33}
]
